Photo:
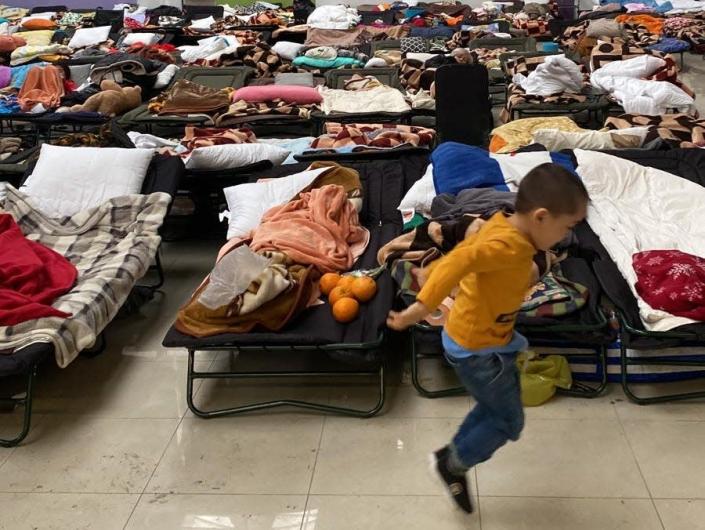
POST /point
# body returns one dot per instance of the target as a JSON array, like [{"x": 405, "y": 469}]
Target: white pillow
[
  {"x": 287, "y": 50},
  {"x": 67, "y": 180},
  {"x": 249, "y": 202},
  {"x": 145, "y": 38},
  {"x": 203, "y": 23},
  {"x": 420, "y": 196},
  {"x": 230, "y": 156},
  {"x": 89, "y": 37}
]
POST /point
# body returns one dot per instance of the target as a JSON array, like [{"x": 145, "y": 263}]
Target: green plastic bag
[{"x": 541, "y": 375}]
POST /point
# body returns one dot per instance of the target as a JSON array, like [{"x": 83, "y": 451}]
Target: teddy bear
[{"x": 111, "y": 100}]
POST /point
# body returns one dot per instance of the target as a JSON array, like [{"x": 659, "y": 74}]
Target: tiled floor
[{"x": 113, "y": 446}]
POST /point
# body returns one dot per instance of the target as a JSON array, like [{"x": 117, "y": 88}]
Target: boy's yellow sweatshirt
[{"x": 493, "y": 269}]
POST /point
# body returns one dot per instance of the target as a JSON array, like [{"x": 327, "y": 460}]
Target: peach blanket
[{"x": 320, "y": 228}]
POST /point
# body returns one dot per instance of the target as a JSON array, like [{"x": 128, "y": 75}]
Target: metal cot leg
[
  {"x": 192, "y": 375},
  {"x": 25, "y": 401}
]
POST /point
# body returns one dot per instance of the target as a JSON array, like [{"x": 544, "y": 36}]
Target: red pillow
[{"x": 302, "y": 95}]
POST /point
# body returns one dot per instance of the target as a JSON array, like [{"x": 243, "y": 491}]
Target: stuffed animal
[{"x": 111, "y": 100}]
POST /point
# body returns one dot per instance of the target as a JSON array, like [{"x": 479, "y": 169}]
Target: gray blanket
[
  {"x": 478, "y": 201},
  {"x": 112, "y": 246}
]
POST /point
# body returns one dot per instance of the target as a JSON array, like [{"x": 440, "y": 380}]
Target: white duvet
[
  {"x": 635, "y": 208},
  {"x": 333, "y": 17},
  {"x": 556, "y": 74},
  {"x": 624, "y": 80},
  {"x": 380, "y": 99}
]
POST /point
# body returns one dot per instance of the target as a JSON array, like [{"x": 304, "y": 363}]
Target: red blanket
[
  {"x": 672, "y": 281},
  {"x": 32, "y": 276}
]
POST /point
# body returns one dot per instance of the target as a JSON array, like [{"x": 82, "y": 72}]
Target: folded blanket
[
  {"x": 205, "y": 137},
  {"x": 25, "y": 54},
  {"x": 372, "y": 135},
  {"x": 32, "y": 276},
  {"x": 380, "y": 99},
  {"x": 111, "y": 246},
  {"x": 320, "y": 228}
]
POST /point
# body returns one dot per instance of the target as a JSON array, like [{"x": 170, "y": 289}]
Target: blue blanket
[{"x": 458, "y": 166}]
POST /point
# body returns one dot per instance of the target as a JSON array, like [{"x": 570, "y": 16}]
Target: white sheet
[
  {"x": 635, "y": 208},
  {"x": 556, "y": 74},
  {"x": 624, "y": 80}
]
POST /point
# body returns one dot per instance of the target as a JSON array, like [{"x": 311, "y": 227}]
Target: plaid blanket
[
  {"x": 533, "y": 28},
  {"x": 112, "y": 247},
  {"x": 243, "y": 112},
  {"x": 678, "y": 130},
  {"x": 372, "y": 135},
  {"x": 691, "y": 30},
  {"x": 206, "y": 137}
]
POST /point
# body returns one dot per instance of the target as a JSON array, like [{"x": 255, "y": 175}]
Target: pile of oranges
[{"x": 345, "y": 294}]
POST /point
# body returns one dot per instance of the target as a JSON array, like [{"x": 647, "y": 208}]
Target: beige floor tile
[
  {"x": 11, "y": 425},
  {"x": 332, "y": 512},
  {"x": 117, "y": 386},
  {"x": 670, "y": 456},
  {"x": 384, "y": 456},
  {"x": 81, "y": 454},
  {"x": 251, "y": 512},
  {"x": 434, "y": 374},
  {"x": 681, "y": 514},
  {"x": 218, "y": 394},
  {"x": 272, "y": 454},
  {"x": 693, "y": 410},
  {"x": 61, "y": 511},
  {"x": 402, "y": 401},
  {"x": 515, "y": 513},
  {"x": 574, "y": 408},
  {"x": 566, "y": 458}
]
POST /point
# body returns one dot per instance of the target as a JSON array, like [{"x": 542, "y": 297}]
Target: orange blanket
[
  {"x": 42, "y": 85},
  {"x": 320, "y": 228},
  {"x": 653, "y": 24}
]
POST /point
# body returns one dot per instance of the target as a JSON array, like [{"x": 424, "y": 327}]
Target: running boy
[{"x": 493, "y": 272}]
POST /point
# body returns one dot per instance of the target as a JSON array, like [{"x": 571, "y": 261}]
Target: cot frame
[
  {"x": 192, "y": 375},
  {"x": 27, "y": 397},
  {"x": 24, "y": 400},
  {"x": 578, "y": 389},
  {"x": 687, "y": 339}
]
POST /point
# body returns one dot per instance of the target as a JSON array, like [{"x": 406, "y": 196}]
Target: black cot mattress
[{"x": 384, "y": 184}]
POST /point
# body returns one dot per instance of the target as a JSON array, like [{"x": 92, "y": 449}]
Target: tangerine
[
  {"x": 338, "y": 292},
  {"x": 345, "y": 310},
  {"x": 364, "y": 288},
  {"x": 346, "y": 281},
  {"x": 328, "y": 282}
]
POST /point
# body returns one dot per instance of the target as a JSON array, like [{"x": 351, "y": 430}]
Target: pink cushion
[{"x": 302, "y": 95}]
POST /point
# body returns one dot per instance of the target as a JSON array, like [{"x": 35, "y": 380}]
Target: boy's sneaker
[{"x": 457, "y": 485}]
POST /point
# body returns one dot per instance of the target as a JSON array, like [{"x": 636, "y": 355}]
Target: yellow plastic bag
[{"x": 541, "y": 375}]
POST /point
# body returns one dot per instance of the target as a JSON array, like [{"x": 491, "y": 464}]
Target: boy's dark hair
[{"x": 553, "y": 187}]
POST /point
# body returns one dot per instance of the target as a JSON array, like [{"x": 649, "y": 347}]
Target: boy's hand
[{"x": 400, "y": 320}]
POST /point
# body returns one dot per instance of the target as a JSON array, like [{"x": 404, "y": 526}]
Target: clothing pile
[{"x": 261, "y": 281}]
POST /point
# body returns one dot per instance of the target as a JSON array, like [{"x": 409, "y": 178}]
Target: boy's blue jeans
[{"x": 493, "y": 380}]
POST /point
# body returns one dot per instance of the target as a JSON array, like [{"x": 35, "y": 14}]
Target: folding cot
[
  {"x": 587, "y": 329},
  {"x": 217, "y": 78},
  {"x": 163, "y": 176},
  {"x": 498, "y": 79},
  {"x": 595, "y": 104},
  {"x": 634, "y": 337},
  {"x": 314, "y": 340},
  {"x": 336, "y": 79}
]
